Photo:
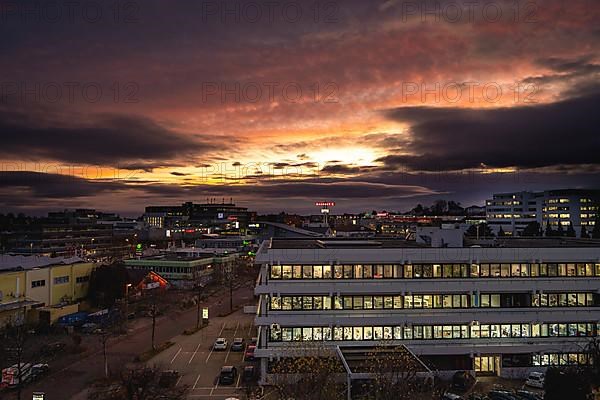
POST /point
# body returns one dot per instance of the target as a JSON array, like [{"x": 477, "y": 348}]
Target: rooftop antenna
[{"x": 325, "y": 209}]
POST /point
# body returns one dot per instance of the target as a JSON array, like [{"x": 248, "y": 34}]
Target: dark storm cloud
[
  {"x": 136, "y": 142},
  {"x": 564, "y": 132},
  {"x": 55, "y": 186}
]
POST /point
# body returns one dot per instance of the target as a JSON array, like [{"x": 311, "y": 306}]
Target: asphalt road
[
  {"x": 199, "y": 365},
  {"x": 69, "y": 382}
]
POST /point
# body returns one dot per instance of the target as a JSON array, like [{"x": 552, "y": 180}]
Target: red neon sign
[{"x": 325, "y": 203}]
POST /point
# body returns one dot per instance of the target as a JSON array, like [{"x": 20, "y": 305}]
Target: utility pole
[
  {"x": 198, "y": 311},
  {"x": 231, "y": 274}
]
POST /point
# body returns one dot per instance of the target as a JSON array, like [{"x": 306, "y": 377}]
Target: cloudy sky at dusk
[{"x": 376, "y": 104}]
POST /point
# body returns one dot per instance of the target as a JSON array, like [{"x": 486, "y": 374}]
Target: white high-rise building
[
  {"x": 514, "y": 211},
  {"x": 491, "y": 310}
]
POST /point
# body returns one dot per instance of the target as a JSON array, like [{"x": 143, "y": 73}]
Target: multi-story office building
[
  {"x": 220, "y": 217},
  {"x": 514, "y": 211},
  {"x": 82, "y": 232},
  {"x": 492, "y": 310}
]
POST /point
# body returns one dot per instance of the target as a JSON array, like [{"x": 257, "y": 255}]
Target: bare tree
[
  {"x": 144, "y": 383},
  {"x": 394, "y": 371},
  {"x": 14, "y": 341},
  {"x": 309, "y": 373}
]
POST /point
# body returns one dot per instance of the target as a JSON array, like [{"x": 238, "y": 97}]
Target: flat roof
[{"x": 381, "y": 250}]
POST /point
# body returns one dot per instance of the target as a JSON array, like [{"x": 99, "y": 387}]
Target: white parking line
[
  {"x": 195, "y": 383},
  {"x": 229, "y": 349},
  {"x": 213, "y": 389},
  {"x": 237, "y": 385},
  {"x": 175, "y": 356},
  {"x": 250, "y": 330},
  {"x": 178, "y": 380},
  {"x": 194, "y": 355},
  {"x": 221, "y": 331}
]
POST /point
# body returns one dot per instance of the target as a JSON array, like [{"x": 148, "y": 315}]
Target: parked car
[
  {"x": 89, "y": 327},
  {"x": 249, "y": 373},
  {"x": 451, "y": 396},
  {"x": 51, "y": 349},
  {"x": 249, "y": 354},
  {"x": 526, "y": 395},
  {"x": 168, "y": 378},
  {"x": 15, "y": 375},
  {"x": 254, "y": 340},
  {"x": 535, "y": 379},
  {"x": 37, "y": 370},
  {"x": 502, "y": 395},
  {"x": 228, "y": 375},
  {"x": 462, "y": 380},
  {"x": 220, "y": 344},
  {"x": 237, "y": 344}
]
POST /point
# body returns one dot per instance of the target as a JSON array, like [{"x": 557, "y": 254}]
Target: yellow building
[{"x": 40, "y": 281}]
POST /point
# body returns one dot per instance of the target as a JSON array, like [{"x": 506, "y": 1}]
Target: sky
[{"x": 377, "y": 104}]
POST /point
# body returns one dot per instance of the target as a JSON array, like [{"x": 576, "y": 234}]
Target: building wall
[
  {"x": 38, "y": 293},
  {"x": 12, "y": 286}
]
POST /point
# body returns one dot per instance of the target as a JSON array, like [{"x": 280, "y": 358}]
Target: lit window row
[
  {"x": 416, "y": 271},
  {"x": 546, "y": 359},
  {"x": 431, "y": 332},
  {"x": 506, "y": 300}
]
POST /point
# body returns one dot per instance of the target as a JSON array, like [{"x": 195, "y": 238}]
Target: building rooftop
[
  {"x": 386, "y": 242},
  {"x": 10, "y": 262}
]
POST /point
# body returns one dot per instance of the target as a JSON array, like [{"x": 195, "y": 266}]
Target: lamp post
[{"x": 127, "y": 286}]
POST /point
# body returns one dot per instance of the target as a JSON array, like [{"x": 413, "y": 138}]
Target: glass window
[
  {"x": 484, "y": 270},
  {"x": 297, "y": 272},
  {"x": 337, "y": 302},
  {"x": 347, "y": 302},
  {"x": 326, "y": 333},
  {"x": 326, "y": 271},
  {"x": 307, "y": 334},
  {"x": 296, "y": 334},
  {"x": 474, "y": 271},
  {"x": 297, "y": 302},
  {"x": 326, "y": 303},
  {"x": 318, "y": 272},
  {"x": 358, "y": 271},
  {"x": 357, "y": 303},
  {"x": 275, "y": 271},
  {"x": 408, "y": 301},
  {"x": 286, "y": 334},
  {"x": 318, "y": 302},
  {"x": 418, "y": 270},
  {"x": 504, "y": 270},
  {"x": 287, "y": 272},
  {"x": 387, "y": 333},
  {"x": 495, "y": 331},
  {"x": 275, "y": 303},
  {"x": 338, "y": 333},
  {"x": 378, "y": 302},
  {"x": 427, "y": 301},
  {"x": 307, "y": 271},
  {"x": 494, "y": 270},
  {"x": 378, "y": 333},
  {"x": 398, "y": 332},
  {"x": 307, "y": 303},
  {"x": 388, "y": 302},
  {"x": 437, "y": 271},
  {"x": 388, "y": 271},
  {"x": 318, "y": 333},
  {"x": 286, "y": 303},
  {"x": 378, "y": 271},
  {"x": 367, "y": 271},
  {"x": 368, "y": 302},
  {"x": 427, "y": 271},
  {"x": 347, "y": 271},
  {"x": 358, "y": 333},
  {"x": 515, "y": 270},
  {"x": 338, "y": 271},
  {"x": 447, "y": 270},
  {"x": 571, "y": 270},
  {"x": 408, "y": 271},
  {"x": 397, "y": 301},
  {"x": 534, "y": 270},
  {"x": 368, "y": 332}
]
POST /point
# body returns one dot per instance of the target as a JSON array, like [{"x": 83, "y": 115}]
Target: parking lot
[{"x": 199, "y": 365}]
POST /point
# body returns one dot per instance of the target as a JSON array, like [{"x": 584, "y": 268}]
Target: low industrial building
[{"x": 28, "y": 282}]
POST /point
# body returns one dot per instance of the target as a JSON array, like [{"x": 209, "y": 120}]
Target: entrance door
[{"x": 487, "y": 365}]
